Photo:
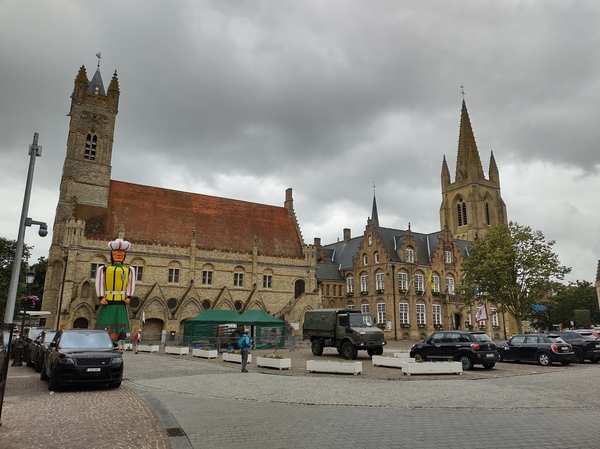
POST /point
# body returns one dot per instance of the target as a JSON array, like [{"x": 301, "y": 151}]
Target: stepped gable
[{"x": 168, "y": 217}]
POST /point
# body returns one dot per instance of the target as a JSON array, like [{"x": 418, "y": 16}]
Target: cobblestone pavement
[{"x": 213, "y": 405}]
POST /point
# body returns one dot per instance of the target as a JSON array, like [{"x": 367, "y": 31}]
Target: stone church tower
[
  {"x": 472, "y": 203},
  {"x": 87, "y": 167}
]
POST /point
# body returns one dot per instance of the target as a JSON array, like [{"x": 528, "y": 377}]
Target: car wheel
[
  {"x": 349, "y": 351},
  {"x": 43, "y": 374},
  {"x": 371, "y": 352},
  {"x": 466, "y": 361},
  {"x": 544, "y": 359},
  {"x": 114, "y": 384},
  {"x": 418, "y": 357},
  {"x": 489, "y": 365},
  {"x": 317, "y": 347},
  {"x": 579, "y": 356},
  {"x": 500, "y": 358},
  {"x": 565, "y": 363}
]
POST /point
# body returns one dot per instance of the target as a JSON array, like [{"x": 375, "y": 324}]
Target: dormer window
[
  {"x": 448, "y": 256},
  {"x": 410, "y": 258}
]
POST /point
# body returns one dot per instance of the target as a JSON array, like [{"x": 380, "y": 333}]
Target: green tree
[
  {"x": 511, "y": 266},
  {"x": 579, "y": 295},
  {"x": 8, "y": 248},
  {"x": 37, "y": 288}
]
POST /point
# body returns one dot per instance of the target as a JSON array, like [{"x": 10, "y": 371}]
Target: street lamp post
[
  {"x": 394, "y": 296},
  {"x": 34, "y": 151},
  {"x": 18, "y": 361}
]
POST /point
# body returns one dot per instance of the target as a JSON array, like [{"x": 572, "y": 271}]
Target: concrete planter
[
  {"x": 409, "y": 368},
  {"x": 177, "y": 350},
  {"x": 402, "y": 355},
  {"x": 270, "y": 362},
  {"x": 148, "y": 348},
  {"x": 314, "y": 366},
  {"x": 235, "y": 358},
  {"x": 205, "y": 353},
  {"x": 393, "y": 362}
]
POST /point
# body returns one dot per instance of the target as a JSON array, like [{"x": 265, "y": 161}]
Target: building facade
[
  {"x": 408, "y": 280},
  {"x": 192, "y": 252}
]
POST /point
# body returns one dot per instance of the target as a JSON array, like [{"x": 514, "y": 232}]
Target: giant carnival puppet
[{"x": 114, "y": 286}]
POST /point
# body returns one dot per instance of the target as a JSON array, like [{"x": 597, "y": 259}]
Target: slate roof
[
  {"x": 341, "y": 256},
  {"x": 169, "y": 217}
]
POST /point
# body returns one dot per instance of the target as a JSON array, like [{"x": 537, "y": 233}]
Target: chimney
[{"x": 347, "y": 235}]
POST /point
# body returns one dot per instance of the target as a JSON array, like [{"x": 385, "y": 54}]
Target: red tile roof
[{"x": 168, "y": 217}]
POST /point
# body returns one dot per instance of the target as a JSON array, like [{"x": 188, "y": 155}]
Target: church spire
[
  {"x": 468, "y": 162},
  {"x": 374, "y": 215}
]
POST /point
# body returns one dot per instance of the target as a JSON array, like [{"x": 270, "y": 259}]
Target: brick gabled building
[{"x": 192, "y": 252}]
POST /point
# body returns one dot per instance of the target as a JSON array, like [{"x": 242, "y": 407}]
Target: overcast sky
[{"x": 245, "y": 99}]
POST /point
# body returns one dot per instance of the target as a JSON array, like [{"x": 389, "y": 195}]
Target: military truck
[{"x": 348, "y": 330}]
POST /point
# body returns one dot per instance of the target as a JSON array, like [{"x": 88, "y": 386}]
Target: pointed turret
[
  {"x": 374, "y": 215},
  {"x": 81, "y": 83},
  {"x": 445, "y": 174},
  {"x": 468, "y": 162},
  {"x": 493, "y": 171}
]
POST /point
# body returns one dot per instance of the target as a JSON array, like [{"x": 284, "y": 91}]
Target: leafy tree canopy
[
  {"x": 563, "y": 304},
  {"x": 511, "y": 266},
  {"x": 8, "y": 248}
]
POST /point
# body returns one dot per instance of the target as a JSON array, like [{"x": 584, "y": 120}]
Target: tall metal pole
[
  {"x": 34, "y": 151},
  {"x": 394, "y": 296}
]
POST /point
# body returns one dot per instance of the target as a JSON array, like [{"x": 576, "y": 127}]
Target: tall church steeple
[
  {"x": 472, "y": 203},
  {"x": 374, "y": 215}
]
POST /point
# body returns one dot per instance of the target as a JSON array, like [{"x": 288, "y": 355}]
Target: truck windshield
[{"x": 361, "y": 320}]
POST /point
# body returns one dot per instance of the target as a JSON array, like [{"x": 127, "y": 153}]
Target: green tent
[
  {"x": 203, "y": 329},
  {"x": 268, "y": 331},
  {"x": 224, "y": 327}
]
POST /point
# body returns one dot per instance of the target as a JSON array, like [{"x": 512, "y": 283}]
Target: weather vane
[
  {"x": 99, "y": 56},
  {"x": 462, "y": 91},
  {"x": 373, "y": 187}
]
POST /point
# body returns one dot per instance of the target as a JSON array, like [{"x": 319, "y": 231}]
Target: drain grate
[{"x": 175, "y": 432}]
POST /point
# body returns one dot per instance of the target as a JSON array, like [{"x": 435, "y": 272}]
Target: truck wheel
[
  {"x": 349, "y": 351},
  {"x": 317, "y": 347}
]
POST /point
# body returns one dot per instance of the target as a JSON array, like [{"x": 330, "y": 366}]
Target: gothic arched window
[{"x": 90, "y": 147}]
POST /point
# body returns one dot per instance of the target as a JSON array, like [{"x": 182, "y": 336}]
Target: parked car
[
  {"x": 82, "y": 356},
  {"x": 585, "y": 345},
  {"x": 540, "y": 348},
  {"x": 468, "y": 347},
  {"x": 594, "y": 332},
  {"x": 38, "y": 349},
  {"x": 29, "y": 335}
]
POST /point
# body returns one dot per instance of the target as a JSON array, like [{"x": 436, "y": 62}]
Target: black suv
[
  {"x": 586, "y": 346},
  {"x": 468, "y": 347},
  {"x": 82, "y": 356}
]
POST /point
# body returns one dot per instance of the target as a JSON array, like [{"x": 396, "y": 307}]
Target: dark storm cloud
[{"x": 246, "y": 99}]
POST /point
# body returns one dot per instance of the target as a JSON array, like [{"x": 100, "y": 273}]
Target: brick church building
[{"x": 191, "y": 252}]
